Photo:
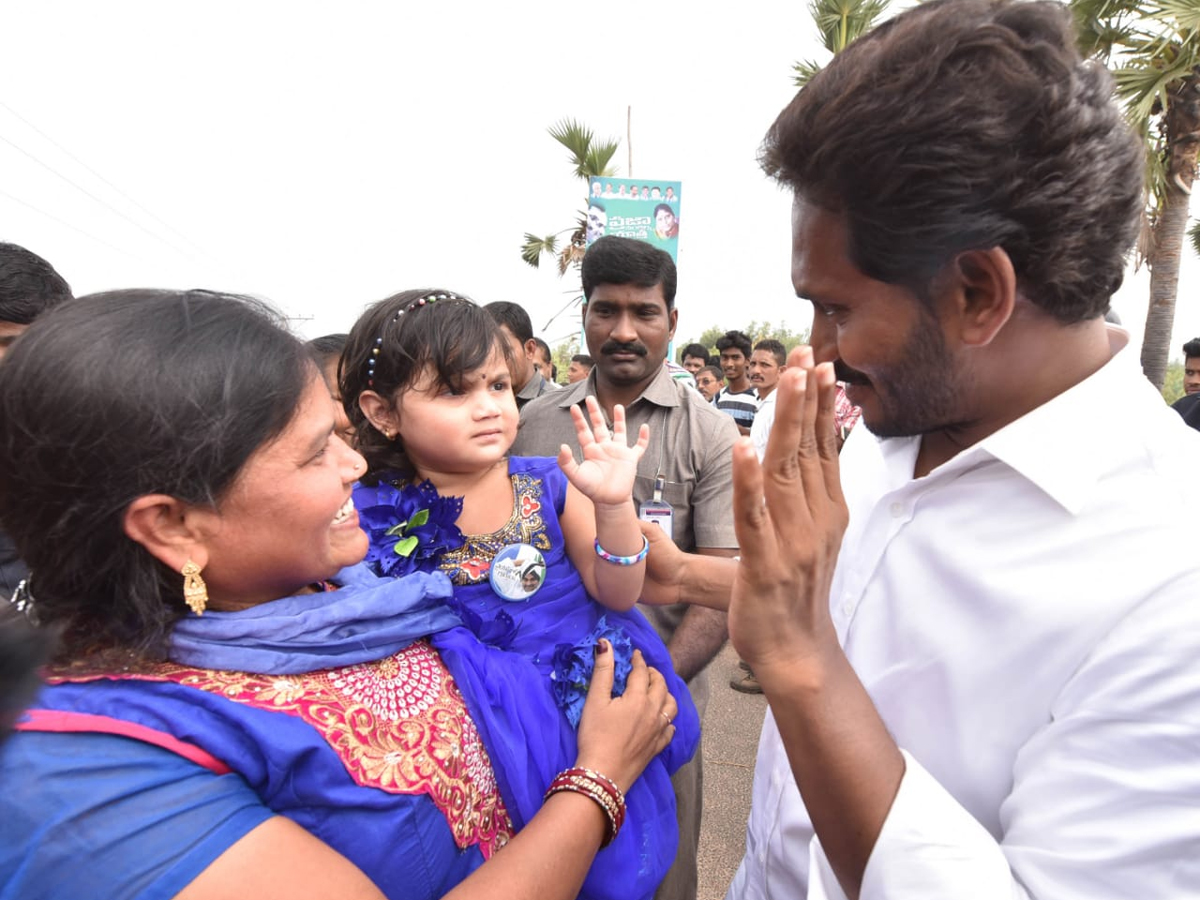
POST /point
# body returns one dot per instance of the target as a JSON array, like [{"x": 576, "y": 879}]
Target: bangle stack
[
  {"x": 601, "y": 789},
  {"x": 624, "y": 560}
]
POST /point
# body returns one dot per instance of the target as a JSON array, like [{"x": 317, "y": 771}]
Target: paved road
[{"x": 731, "y": 727}]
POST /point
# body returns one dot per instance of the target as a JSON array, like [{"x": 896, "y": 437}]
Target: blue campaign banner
[{"x": 645, "y": 209}]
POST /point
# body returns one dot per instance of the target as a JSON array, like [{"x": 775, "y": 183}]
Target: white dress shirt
[
  {"x": 1026, "y": 619},
  {"x": 760, "y": 431}
]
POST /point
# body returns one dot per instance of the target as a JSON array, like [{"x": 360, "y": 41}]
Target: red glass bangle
[{"x": 600, "y": 789}]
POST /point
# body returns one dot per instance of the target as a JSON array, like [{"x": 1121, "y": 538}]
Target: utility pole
[{"x": 629, "y": 136}]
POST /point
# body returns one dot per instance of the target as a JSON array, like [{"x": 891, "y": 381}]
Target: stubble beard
[{"x": 920, "y": 393}]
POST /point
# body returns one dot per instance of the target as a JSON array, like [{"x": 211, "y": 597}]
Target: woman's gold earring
[{"x": 195, "y": 591}]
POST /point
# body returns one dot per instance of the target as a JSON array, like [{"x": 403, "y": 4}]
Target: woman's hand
[
  {"x": 609, "y": 464},
  {"x": 618, "y": 736},
  {"x": 789, "y": 515}
]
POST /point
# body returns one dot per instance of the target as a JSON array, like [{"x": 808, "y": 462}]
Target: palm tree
[
  {"x": 591, "y": 159},
  {"x": 838, "y": 22},
  {"x": 1153, "y": 50}
]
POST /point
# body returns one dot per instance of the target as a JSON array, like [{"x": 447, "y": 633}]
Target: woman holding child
[{"x": 237, "y": 708}]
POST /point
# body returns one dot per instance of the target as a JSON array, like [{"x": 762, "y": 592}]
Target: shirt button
[
  {"x": 847, "y": 607},
  {"x": 897, "y": 510}
]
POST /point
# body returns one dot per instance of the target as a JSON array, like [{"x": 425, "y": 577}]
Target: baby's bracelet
[
  {"x": 624, "y": 560},
  {"x": 601, "y": 790}
]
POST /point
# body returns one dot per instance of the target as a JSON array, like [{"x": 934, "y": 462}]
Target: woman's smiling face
[{"x": 287, "y": 521}]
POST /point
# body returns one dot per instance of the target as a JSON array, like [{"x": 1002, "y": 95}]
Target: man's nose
[
  {"x": 823, "y": 340},
  {"x": 623, "y": 329}
]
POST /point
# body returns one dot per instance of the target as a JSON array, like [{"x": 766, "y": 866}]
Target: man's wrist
[{"x": 800, "y": 668}]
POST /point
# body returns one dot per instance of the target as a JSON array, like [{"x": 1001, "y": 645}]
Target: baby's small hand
[{"x": 609, "y": 464}]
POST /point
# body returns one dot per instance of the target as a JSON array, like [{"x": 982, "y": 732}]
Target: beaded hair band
[{"x": 420, "y": 301}]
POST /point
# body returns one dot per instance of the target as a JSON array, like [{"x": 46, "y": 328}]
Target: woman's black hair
[
  {"x": 395, "y": 343},
  {"x": 326, "y": 346},
  {"x": 114, "y": 396},
  {"x": 23, "y": 650}
]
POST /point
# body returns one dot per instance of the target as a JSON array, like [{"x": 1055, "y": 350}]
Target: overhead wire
[
  {"x": 101, "y": 178},
  {"x": 99, "y": 200},
  {"x": 16, "y": 115},
  {"x": 42, "y": 212}
]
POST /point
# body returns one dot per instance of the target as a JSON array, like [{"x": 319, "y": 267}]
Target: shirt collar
[
  {"x": 533, "y": 387},
  {"x": 660, "y": 391}
]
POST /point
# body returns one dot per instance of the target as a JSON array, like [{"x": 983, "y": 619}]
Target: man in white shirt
[
  {"x": 767, "y": 363},
  {"x": 995, "y": 693}
]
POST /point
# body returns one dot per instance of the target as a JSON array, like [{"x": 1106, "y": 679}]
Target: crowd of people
[{"x": 447, "y": 633}]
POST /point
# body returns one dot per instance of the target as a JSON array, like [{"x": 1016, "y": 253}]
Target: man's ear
[
  {"x": 531, "y": 350},
  {"x": 379, "y": 413},
  {"x": 985, "y": 293},
  {"x": 172, "y": 531},
  {"x": 673, "y": 319}
]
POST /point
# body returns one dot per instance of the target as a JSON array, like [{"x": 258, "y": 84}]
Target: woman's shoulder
[{"x": 146, "y": 819}]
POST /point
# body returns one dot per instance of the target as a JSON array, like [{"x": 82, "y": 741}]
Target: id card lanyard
[{"x": 657, "y": 509}]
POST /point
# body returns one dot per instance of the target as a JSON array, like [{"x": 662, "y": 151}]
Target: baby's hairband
[{"x": 420, "y": 301}]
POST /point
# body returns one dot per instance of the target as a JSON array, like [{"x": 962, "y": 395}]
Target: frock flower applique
[
  {"x": 409, "y": 528},
  {"x": 573, "y": 665}
]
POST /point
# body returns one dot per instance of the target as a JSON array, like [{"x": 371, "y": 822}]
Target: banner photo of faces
[{"x": 640, "y": 208}]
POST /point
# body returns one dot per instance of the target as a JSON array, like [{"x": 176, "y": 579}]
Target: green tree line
[{"x": 755, "y": 330}]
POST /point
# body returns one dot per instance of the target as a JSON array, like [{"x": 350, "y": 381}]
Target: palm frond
[
  {"x": 1144, "y": 85},
  {"x": 840, "y": 22},
  {"x": 1108, "y": 28},
  {"x": 534, "y": 246},
  {"x": 1109, "y": 10},
  {"x": 804, "y": 71},
  {"x": 598, "y": 159},
  {"x": 575, "y": 136},
  {"x": 589, "y": 157},
  {"x": 1194, "y": 237},
  {"x": 1102, "y": 38},
  {"x": 1185, "y": 14}
]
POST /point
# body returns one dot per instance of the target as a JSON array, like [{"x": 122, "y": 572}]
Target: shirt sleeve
[
  {"x": 88, "y": 815},
  {"x": 1105, "y": 801},
  {"x": 712, "y": 495}
]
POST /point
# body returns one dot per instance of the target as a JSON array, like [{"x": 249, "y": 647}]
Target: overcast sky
[{"x": 324, "y": 156}]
